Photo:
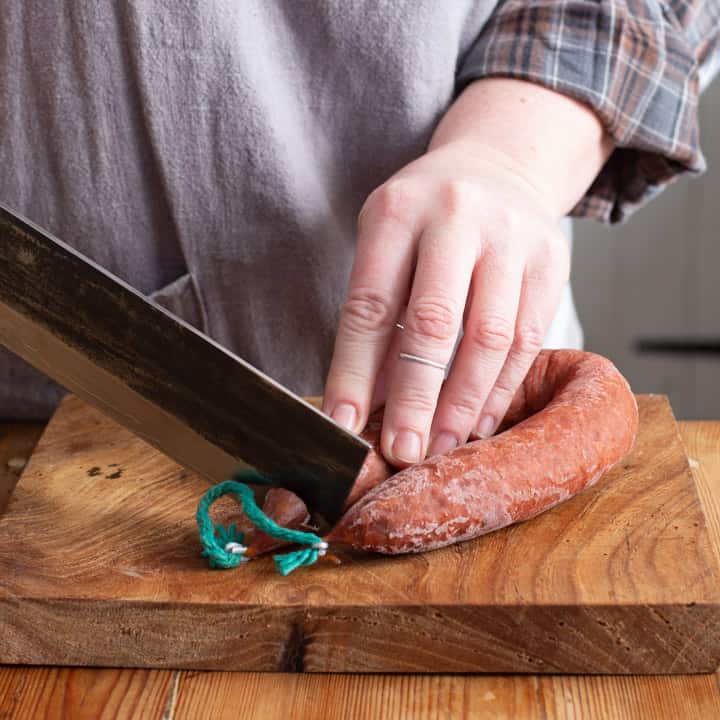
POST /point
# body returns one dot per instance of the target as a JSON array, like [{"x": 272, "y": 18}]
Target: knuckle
[
  {"x": 536, "y": 275},
  {"x": 367, "y": 310},
  {"x": 555, "y": 252},
  {"x": 466, "y": 406},
  {"x": 492, "y": 256},
  {"x": 349, "y": 376},
  {"x": 433, "y": 318},
  {"x": 416, "y": 401},
  {"x": 493, "y": 333},
  {"x": 502, "y": 392},
  {"x": 529, "y": 339},
  {"x": 458, "y": 197},
  {"x": 505, "y": 223},
  {"x": 394, "y": 200}
]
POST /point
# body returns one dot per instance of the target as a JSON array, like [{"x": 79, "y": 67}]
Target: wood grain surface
[
  {"x": 92, "y": 694},
  {"x": 99, "y": 542},
  {"x": 17, "y": 441},
  {"x": 164, "y": 695}
]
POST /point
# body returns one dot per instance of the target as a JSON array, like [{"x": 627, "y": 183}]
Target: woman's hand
[{"x": 467, "y": 233}]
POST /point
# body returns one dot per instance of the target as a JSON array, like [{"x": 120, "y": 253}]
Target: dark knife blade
[{"x": 161, "y": 378}]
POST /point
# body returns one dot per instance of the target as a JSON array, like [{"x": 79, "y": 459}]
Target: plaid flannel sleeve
[{"x": 640, "y": 64}]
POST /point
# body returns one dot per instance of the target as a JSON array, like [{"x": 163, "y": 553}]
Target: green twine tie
[{"x": 223, "y": 546}]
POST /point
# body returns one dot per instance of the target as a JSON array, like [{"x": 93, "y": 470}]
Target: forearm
[
  {"x": 638, "y": 63},
  {"x": 557, "y": 144}
]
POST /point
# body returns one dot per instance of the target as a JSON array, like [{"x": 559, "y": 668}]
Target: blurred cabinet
[{"x": 658, "y": 276}]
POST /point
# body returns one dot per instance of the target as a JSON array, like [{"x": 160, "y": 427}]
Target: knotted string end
[{"x": 224, "y": 547}]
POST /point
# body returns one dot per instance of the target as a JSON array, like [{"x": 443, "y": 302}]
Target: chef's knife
[{"x": 160, "y": 377}]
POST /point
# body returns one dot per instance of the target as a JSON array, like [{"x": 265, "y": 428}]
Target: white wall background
[{"x": 658, "y": 275}]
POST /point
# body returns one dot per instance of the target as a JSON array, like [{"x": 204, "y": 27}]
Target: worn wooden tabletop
[{"x": 89, "y": 693}]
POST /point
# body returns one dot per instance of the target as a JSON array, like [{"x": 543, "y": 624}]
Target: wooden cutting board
[{"x": 100, "y": 565}]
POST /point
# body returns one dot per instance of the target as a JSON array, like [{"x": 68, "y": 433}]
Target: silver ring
[
  {"x": 399, "y": 326},
  {"x": 422, "y": 360}
]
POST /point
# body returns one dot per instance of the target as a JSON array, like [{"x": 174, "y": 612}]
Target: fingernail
[
  {"x": 485, "y": 427},
  {"x": 345, "y": 415},
  {"x": 443, "y": 443},
  {"x": 407, "y": 446}
]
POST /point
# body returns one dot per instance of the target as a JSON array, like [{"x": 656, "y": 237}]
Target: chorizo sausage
[
  {"x": 288, "y": 510},
  {"x": 572, "y": 419}
]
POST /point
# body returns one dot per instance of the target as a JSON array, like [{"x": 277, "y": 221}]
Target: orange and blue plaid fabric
[{"x": 640, "y": 64}]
